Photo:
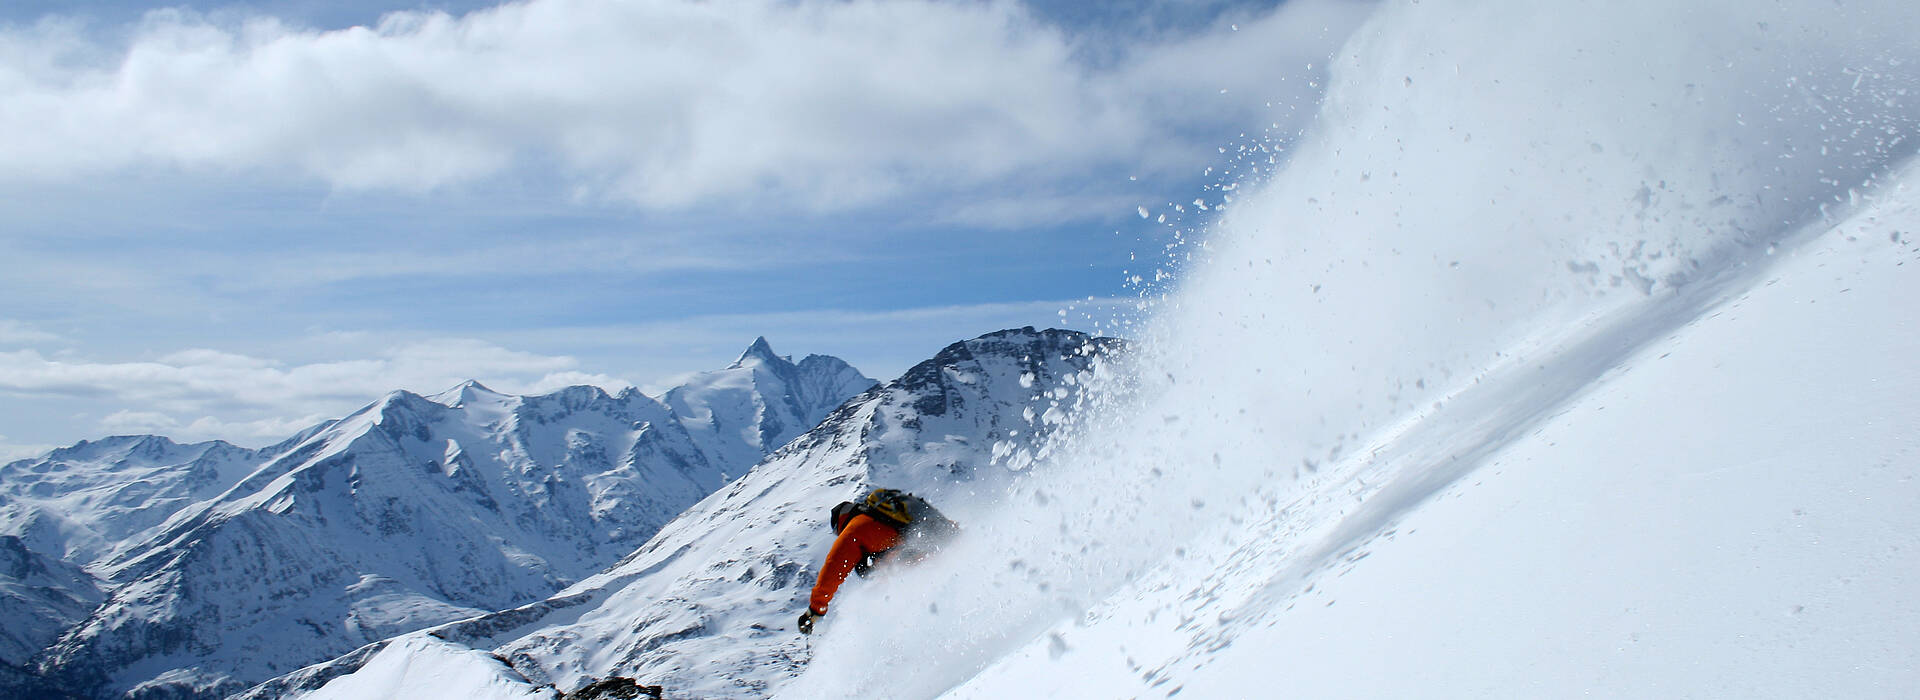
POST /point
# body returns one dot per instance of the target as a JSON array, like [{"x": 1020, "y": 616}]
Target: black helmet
[{"x": 841, "y": 514}]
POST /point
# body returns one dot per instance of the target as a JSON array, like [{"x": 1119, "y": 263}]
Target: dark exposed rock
[{"x": 615, "y": 688}]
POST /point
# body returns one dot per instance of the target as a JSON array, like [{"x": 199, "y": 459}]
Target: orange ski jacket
[{"x": 861, "y": 537}]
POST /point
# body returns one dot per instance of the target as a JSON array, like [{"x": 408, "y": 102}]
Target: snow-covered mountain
[
  {"x": 413, "y": 511},
  {"x": 43, "y": 597},
  {"x": 79, "y": 504},
  {"x": 705, "y": 606},
  {"x": 761, "y": 401}
]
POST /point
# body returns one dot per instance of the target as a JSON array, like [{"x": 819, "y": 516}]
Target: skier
[{"x": 886, "y": 524}]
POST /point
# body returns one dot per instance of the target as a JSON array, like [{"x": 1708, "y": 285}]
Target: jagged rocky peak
[
  {"x": 764, "y": 397},
  {"x": 759, "y": 352},
  {"x": 1050, "y": 341},
  {"x": 1028, "y": 348},
  {"x": 404, "y": 413}
]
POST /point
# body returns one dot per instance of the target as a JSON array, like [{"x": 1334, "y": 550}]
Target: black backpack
[{"x": 922, "y": 527}]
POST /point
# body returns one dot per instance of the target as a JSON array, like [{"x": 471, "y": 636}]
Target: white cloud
[
  {"x": 561, "y": 380},
  {"x": 215, "y": 358},
  {"x": 138, "y": 423},
  {"x": 10, "y": 452},
  {"x": 251, "y": 431},
  {"x": 816, "y": 105},
  {"x": 626, "y": 253},
  {"x": 201, "y": 394}
]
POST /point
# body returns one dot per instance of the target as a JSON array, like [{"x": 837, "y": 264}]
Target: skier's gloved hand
[{"x": 806, "y": 620}]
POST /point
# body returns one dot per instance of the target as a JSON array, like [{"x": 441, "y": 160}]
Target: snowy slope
[
  {"x": 63, "y": 515},
  {"x": 1727, "y": 513},
  {"x": 42, "y": 598},
  {"x": 75, "y": 506},
  {"x": 412, "y": 512},
  {"x": 80, "y": 503},
  {"x": 705, "y": 606},
  {"x": 761, "y": 401}
]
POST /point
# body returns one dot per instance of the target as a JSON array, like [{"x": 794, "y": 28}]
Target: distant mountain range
[{"x": 146, "y": 568}]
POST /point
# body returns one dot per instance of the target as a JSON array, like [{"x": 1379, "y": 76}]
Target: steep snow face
[
  {"x": 741, "y": 413},
  {"x": 1727, "y": 513},
  {"x": 451, "y": 671},
  {"x": 42, "y": 597},
  {"x": 80, "y": 503},
  {"x": 705, "y": 607},
  {"x": 410, "y": 513}
]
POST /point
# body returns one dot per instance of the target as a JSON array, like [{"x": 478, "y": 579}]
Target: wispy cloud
[
  {"x": 139, "y": 422},
  {"x": 18, "y": 333},
  {"x": 10, "y": 451},
  {"x": 630, "y": 254},
  {"x": 200, "y": 394},
  {"x": 817, "y": 105}
]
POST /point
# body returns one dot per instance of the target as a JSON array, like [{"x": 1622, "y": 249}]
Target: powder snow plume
[{"x": 1482, "y": 179}]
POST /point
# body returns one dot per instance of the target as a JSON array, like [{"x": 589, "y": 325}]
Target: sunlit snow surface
[
  {"x": 1728, "y": 513},
  {"x": 420, "y": 666}
]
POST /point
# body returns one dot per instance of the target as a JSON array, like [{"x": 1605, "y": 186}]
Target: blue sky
[{"x": 231, "y": 220}]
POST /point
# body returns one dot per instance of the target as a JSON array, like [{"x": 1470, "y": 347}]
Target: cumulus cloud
[{"x": 666, "y": 104}]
